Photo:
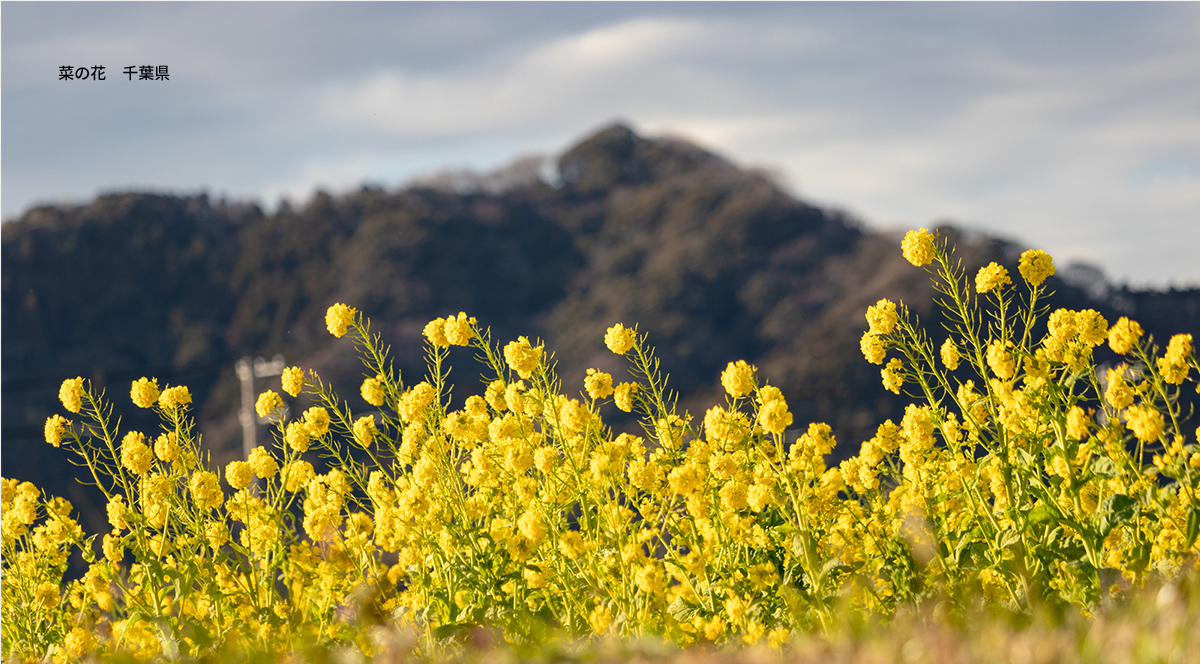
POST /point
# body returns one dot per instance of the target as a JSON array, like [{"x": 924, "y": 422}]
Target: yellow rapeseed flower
[
  {"x": 1077, "y": 423},
  {"x": 292, "y": 380},
  {"x": 873, "y": 347},
  {"x": 1036, "y": 265},
  {"x": 414, "y": 401},
  {"x": 1091, "y": 327},
  {"x": 532, "y": 527},
  {"x": 1145, "y": 422},
  {"x": 262, "y": 463},
  {"x": 435, "y": 332},
  {"x": 991, "y": 277},
  {"x": 365, "y": 430},
  {"x": 166, "y": 447},
  {"x": 297, "y": 436},
  {"x": 78, "y": 642},
  {"x": 1001, "y": 360},
  {"x": 620, "y": 339},
  {"x": 144, "y": 392},
  {"x": 738, "y": 378},
  {"x": 216, "y": 534},
  {"x": 338, "y": 318},
  {"x": 206, "y": 490},
  {"x": 892, "y": 375},
  {"x": 238, "y": 474},
  {"x": 135, "y": 454},
  {"x": 174, "y": 397},
  {"x": 600, "y": 619},
  {"x": 268, "y": 402},
  {"x": 623, "y": 396},
  {"x": 317, "y": 421},
  {"x": 570, "y": 544},
  {"x": 494, "y": 396},
  {"x": 114, "y": 552},
  {"x": 573, "y": 416},
  {"x": 1174, "y": 365},
  {"x": 372, "y": 391},
  {"x": 918, "y": 247},
  {"x": 116, "y": 510},
  {"x": 458, "y": 329},
  {"x": 55, "y": 428},
  {"x": 522, "y": 357},
  {"x": 598, "y": 384},
  {"x": 774, "y": 417},
  {"x": 950, "y": 356},
  {"x": 1118, "y": 393},
  {"x": 1123, "y": 335},
  {"x": 881, "y": 317},
  {"x": 297, "y": 475},
  {"x": 71, "y": 394}
]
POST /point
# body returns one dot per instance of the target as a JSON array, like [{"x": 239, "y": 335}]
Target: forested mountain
[{"x": 716, "y": 263}]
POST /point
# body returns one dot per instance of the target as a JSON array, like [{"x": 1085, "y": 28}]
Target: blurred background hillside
[{"x": 715, "y": 262}]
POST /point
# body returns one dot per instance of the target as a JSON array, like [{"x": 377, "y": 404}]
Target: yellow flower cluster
[
  {"x": 206, "y": 490},
  {"x": 1000, "y": 360},
  {"x": 873, "y": 347},
  {"x": 338, "y": 319},
  {"x": 522, "y": 357},
  {"x": 1035, "y": 266},
  {"x": 144, "y": 392},
  {"x": 71, "y": 394},
  {"x": 292, "y": 380},
  {"x": 373, "y": 391},
  {"x": 773, "y": 416},
  {"x": 738, "y": 379},
  {"x": 991, "y": 277},
  {"x": 1123, "y": 335},
  {"x": 1174, "y": 365},
  {"x": 56, "y": 426},
  {"x": 881, "y": 317},
  {"x": 893, "y": 376},
  {"x": 135, "y": 454},
  {"x": 268, "y": 403},
  {"x": 174, "y": 398},
  {"x": 450, "y": 331},
  {"x": 365, "y": 430},
  {"x": 620, "y": 339},
  {"x": 949, "y": 353},
  {"x": 1072, "y": 335},
  {"x": 918, "y": 247},
  {"x": 262, "y": 463},
  {"x": 599, "y": 385}
]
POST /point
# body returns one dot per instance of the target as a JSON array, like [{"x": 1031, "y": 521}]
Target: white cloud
[{"x": 1054, "y": 124}]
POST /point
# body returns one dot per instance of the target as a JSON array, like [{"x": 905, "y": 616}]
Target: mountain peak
[{"x": 616, "y": 155}]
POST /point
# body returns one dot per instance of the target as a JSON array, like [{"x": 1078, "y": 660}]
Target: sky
[{"x": 1072, "y": 127}]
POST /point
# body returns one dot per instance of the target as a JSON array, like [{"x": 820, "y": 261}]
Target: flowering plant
[{"x": 1021, "y": 475}]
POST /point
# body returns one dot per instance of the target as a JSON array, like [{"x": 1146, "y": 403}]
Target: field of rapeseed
[{"x": 1026, "y": 497}]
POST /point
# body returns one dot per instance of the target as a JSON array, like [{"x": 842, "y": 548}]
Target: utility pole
[{"x": 247, "y": 371}]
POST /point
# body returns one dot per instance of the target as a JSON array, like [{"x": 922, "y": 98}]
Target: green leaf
[
  {"x": 466, "y": 612},
  {"x": 86, "y": 548},
  {"x": 1114, "y": 511},
  {"x": 170, "y": 647},
  {"x": 1006, "y": 538},
  {"x": 1042, "y": 514},
  {"x": 683, "y": 610},
  {"x": 444, "y": 632},
  {"x": 1193, "y": 527},
  {"x": 1105, "y": 467}
]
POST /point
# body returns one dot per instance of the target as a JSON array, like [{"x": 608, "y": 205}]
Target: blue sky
[{"x": 1074, "y": 127}]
